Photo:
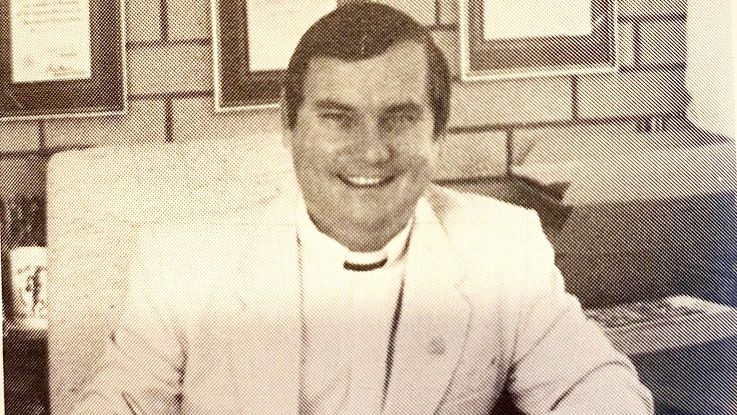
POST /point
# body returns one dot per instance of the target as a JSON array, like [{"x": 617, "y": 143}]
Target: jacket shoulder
[
  {"x": 455, "y": 208},
  {"x": 494, "y": 237}
]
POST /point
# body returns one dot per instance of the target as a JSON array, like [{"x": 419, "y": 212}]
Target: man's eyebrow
[{"x": 328, "y": 104}]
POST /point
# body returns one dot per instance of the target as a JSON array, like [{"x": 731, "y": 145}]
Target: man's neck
[
  {"x": 393, "y": 244},
  {"x": 360, "y": 239}
]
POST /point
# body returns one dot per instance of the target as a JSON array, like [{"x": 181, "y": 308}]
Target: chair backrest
[{"x": 97, "y": 198}]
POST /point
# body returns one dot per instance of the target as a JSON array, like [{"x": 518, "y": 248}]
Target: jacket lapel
[
  {"x": 266, "y": 342},
  {"x": 265, "y": 355},
  {"x": 433, "y": 322}
]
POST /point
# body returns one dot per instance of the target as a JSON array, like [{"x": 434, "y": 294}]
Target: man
[{"x": 366, "y": 289}]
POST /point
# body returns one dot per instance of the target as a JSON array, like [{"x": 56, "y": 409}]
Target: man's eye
[
  {"x": 400, "y": 121},
  {"x": 338, "y": 118}
]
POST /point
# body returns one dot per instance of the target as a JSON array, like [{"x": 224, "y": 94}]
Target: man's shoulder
[
  {"x": 489, "y": 233},
  {"x": 458, "y": 208}
]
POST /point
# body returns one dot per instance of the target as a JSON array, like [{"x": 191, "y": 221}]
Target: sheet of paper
[
  {"x": 50, "y": 40},
  {"x": 275, "y": 26},
  {"x": 519, "y": 19}
]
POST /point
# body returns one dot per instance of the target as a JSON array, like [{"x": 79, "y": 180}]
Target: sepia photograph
[{"x": 345, "y": 207}]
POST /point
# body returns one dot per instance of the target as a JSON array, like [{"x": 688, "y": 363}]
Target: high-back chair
[{"x": 97, "y": 198}]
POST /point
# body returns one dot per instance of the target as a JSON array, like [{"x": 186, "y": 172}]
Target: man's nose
[{"x": 371, "y": 145}]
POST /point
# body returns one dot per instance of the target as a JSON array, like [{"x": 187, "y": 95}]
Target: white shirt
[{"x": 347, "y": 318}]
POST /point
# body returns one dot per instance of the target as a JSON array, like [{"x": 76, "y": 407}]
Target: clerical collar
[{"x": 309, "y": 235}]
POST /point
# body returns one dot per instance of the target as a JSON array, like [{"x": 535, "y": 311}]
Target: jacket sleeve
[
  {"x": 141, "y": 369},
  {"x": 563, "y": 363}
]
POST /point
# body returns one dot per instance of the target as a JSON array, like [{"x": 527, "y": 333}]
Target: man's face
[{"x": 363, "y": 144}]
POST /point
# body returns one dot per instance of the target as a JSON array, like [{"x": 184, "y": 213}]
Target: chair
[{"x": 97, "y": 198}]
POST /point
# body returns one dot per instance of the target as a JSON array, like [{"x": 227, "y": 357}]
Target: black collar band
[{"x": 364, "y": 267}]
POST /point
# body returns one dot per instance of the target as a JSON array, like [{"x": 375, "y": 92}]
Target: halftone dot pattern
[{"x": 543, "y": 129}]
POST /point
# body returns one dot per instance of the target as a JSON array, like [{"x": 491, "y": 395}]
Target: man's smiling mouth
[{"x": 365, "y": 181}]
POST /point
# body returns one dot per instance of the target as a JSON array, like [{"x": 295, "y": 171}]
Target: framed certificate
[
  {"x": 61, "y": 58},
  {"x": 528, "y": 38},
  {"x": 253, "y": 40}
]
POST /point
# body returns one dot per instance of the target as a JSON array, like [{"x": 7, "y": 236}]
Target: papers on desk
[
  {"x": 522, "y": 19},
  {"x": 50, "y": 40},
  {"x": 275, "y": 27},
  {"x": 669, "y": 323}
]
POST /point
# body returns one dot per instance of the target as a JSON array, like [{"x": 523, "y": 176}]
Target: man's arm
[
  {"x": 141, "y": 369},
  {"x": 564, "y": 364}
]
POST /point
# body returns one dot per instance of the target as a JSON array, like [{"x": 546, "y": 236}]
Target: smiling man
[
  {"x": 363, "y": 140},
  {"x": 367, "y": 289}
]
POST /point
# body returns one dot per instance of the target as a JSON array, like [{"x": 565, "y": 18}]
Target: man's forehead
[{"x": 401, "y": 71}]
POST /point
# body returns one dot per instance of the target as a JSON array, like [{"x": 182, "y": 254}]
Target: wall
[{"x": 170, "y": 93}]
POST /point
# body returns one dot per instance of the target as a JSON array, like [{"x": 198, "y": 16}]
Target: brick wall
[{"x": 170, "y": 92}]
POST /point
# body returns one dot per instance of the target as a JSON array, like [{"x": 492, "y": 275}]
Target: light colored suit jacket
[{"x": 212, "y": 321}]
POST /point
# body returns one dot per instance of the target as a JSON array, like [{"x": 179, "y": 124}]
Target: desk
[
  {"x": 699, "y": 379},
  {"x": 695, "y": 380},
  {"x": 686, "y": 235},
  {"x": 685, "y": 351},
  {"x": 26, "y": 373}
]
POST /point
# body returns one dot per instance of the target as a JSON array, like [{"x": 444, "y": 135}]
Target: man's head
[
  {"x": 366, "y": 101},
  {"x": 359, "y": 31}
]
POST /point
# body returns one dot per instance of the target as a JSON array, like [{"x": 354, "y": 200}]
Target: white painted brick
[
  {"x": 143, "y": 123},
  {"x": 422, "y": 10},
  {"x": 195, "y": 119},
  {"x": 510, "y": 102},
  {"x": 18, "y": 136},
  {"x": 169, "y": 68},
  {"x": 189, "y": 19},
  {"x": 631, "y": 94},
  {"x": 447, "y": 41},
  {"x": 632, "y": 8},
  {"x": 663, "y": 42},
  {"x": 626, "y": 44},
  {"x": 142, "y": 20},
  {"x": 468, "y": 155},
  {"x": 449, "y": 11}
]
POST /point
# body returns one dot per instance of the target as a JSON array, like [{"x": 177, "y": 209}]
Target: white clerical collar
[{"x": 310, "y": 236}]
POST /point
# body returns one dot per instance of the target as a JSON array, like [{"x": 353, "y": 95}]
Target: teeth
[{"x": 364, "y": 181}]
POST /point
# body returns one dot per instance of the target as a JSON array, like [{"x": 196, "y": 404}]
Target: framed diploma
[
  {"x": 528, "y": 38},
  {"x": 253, "y": 40},
  {"x": 61, "y": 58}
]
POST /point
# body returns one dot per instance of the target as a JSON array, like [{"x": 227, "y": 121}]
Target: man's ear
[
  {"x": 286, "y": 139},
  {"x": 437, "y": 146}
]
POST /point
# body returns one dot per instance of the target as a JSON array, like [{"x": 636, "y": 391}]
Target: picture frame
[
  {"x": 541, "y": 54},
  {"x": 46, "y": 92},
  {"x": 248, "y": 71}
]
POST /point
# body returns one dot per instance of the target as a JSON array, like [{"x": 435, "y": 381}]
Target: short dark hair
[{"x": 362, "y": 30}]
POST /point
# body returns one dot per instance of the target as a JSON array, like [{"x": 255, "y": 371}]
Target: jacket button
[{"x": 436, "y": 346}]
